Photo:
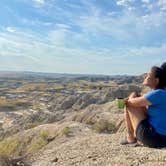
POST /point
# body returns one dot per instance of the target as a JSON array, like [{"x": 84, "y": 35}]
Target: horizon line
[{"x": 65, "y": 73}]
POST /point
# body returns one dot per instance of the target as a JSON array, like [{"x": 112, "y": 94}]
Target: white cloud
[
  {"x": 24, "y": 43},
  {"x": 39, "y": 3},
  {"x": 57, "y": 37},
  {"x": 162, "y": 4},
  {"x": 146, "y": 1},
  {"x": 25, "y": 51},
  {"x": 63, "y": 26},
  {"x": 99, "y": 26},
  {"x": 124, "y": 26},
  {"x": 124, "y": 2},
  {"x": 150, "y": 52},
  {"x": 154, "y": 19},
  {"x": 10, "y": 29}
]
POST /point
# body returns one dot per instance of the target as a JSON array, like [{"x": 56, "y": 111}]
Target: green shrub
[
  {"x": 103, "y": 126},
  {"x": 66, "y": 131},
  {"x": 44, "y": 134},
  {"x": 39, "y": 142},
  {"x": 24, "y": 145},
  {"x": 36, "y": 145},
  {"x": 8, "y": 146}
]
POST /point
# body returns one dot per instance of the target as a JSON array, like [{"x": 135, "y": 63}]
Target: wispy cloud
[
  {"x": 39, "y": 2},
  {"x": 146, "y": 1},
  {"x": 10, "y": 29},
  {"x": 60, "y": 57},
  {"x": 83, "y": 36},
  {"x": 124, "y": 2},
  {"x": 162, "y": 4}
]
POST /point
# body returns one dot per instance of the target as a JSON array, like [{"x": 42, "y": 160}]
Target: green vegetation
[
  {"x": 39, "y": 87},
  {"x": 56, "y": 86},
  {"x": 104, "y": 126},
  {"x": 8, "y": 146},
  {"x": 66, "y": 131},
  {"x": 44, "y": 134},
  {"x": 27, "y": 144},
  {"x": 39, "y": 142},
  {"x": 14, "y": 103},
  {"x": 32, "y": 87}
]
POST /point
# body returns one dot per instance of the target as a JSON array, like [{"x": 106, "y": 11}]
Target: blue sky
[{"x": 82, "y": 36}]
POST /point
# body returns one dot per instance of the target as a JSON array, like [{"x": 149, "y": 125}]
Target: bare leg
[
  {"x": 130, "y": 130},
  {"x": 133, "y": 115},
  {"x": 136, "y": 115}
]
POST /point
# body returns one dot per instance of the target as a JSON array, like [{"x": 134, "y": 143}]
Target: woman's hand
[
  {"x": 137, "y": 102},
  {"x": 126, "y": 101},
  {"x": 133, "y": 95}
]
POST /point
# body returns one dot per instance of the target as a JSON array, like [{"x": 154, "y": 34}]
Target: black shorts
[{"x": 148, "y": 136}]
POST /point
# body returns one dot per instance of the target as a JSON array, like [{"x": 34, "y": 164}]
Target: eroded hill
[{"x": 68, "y": 121}]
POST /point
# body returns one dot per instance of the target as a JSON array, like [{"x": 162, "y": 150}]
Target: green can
[{"x": 120, "y": 103}]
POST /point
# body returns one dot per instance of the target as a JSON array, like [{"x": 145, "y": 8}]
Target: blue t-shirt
[{"x": 157, "y": 111}]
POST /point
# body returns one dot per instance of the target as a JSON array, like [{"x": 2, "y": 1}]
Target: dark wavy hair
[
  {"x": 163, "y": 66},
  {"x": 160, "y": 73}
]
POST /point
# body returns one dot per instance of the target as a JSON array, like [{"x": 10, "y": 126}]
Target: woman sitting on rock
[{"x": 145, "y": 115}]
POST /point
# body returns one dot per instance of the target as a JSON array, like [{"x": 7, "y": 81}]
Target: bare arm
[{"x": 137, "y": 102}]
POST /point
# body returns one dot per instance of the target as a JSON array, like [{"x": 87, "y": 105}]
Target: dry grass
[
  {"x": 32, "y": 87},
  {"x": 24, "y": 144},
  {"x": 104, "y": 126},
  {"x": 40, "y": 141},
  {"x": 14, "y": 103},
  {"x": 8, "y": 146},
  {"x": 66, "y": 131}
]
